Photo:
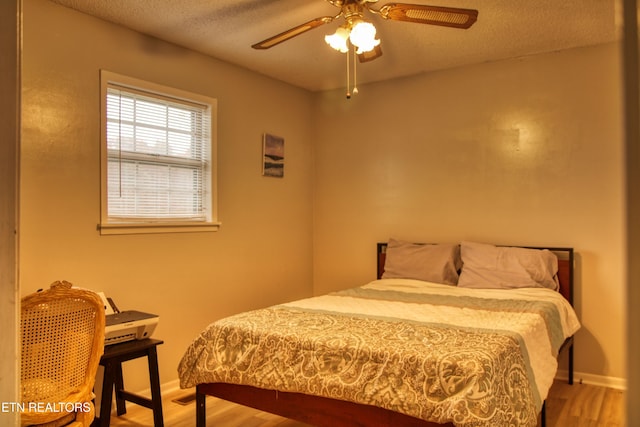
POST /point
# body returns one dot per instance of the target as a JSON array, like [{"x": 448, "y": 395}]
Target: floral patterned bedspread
[{"x": 473, "y": 357}]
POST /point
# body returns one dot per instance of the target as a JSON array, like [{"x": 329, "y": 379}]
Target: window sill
[{"x": 150, "y": 228}]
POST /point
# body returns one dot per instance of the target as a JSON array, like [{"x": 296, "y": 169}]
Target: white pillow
[{"x": 489, "y": 266}]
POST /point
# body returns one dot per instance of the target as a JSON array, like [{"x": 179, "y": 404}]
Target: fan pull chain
[
  {"x": 355, "y": 77},
  {"x": 348, "y": 82}
]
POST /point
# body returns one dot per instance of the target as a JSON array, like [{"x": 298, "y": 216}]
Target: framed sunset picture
[{"x": 272, "y": 155}]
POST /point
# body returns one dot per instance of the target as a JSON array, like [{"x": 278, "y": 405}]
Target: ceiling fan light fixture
[
  {"x": 338, "y": 40},
  {"x": 363, "y": 36}
]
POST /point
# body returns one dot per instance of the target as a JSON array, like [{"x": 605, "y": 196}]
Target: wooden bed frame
[{"x": 323, "y": 411}]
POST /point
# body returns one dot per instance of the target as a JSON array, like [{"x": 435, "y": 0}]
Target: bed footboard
[{"x": 308, "y": 409}]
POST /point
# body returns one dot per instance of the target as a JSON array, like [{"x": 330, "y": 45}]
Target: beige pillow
[
  {"x": 489, "y": 266},
  {"x": 432, "y": 263}
]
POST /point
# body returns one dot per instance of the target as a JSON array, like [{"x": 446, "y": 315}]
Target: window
[{"x": 158, "y": 158}]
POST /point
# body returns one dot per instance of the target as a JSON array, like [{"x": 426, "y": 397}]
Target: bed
[{"x": 402, "y": 351}]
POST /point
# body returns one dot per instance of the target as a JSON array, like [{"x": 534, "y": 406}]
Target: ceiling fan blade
[
  {"x": 292, "y": 32},
  {"x": 434, "y": 15},
  {"x": 371, "y": 55}
]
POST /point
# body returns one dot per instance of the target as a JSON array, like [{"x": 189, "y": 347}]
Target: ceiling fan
[{"x": 361, "y": 34}]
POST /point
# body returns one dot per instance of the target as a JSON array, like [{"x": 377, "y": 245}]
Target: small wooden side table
[{"x": 112, "y": 360}]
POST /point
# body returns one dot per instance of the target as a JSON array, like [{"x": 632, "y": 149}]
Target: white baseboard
[
  {"x": 599, "y": 380},
  {"x": 170, "y": 386}
]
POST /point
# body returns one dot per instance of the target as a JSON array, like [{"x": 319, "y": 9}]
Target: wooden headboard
[{"x": 565, "y": 267}]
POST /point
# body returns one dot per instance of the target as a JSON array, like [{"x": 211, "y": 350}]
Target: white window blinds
[{"x": 158, "y": 157}]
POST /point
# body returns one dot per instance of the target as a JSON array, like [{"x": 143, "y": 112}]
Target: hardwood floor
[
  {"x": 579, "y": 405},
  {"x": 584, "y": 406}
]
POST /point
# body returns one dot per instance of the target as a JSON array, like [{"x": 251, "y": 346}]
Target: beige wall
[
  {"x": 526, "y": 151},
  {"x": 262, "y": 253}
]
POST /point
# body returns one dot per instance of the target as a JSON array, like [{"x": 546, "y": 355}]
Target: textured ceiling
[{"x": 226, "y": 29}]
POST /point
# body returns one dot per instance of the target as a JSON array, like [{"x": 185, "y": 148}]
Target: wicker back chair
[{"x": 62, "y": 332}]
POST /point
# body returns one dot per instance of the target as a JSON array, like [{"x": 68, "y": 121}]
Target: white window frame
[{"x": 132, "y": 225}]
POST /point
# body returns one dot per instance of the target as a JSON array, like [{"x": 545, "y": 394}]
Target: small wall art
[{"x": 272, "y": 155}]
